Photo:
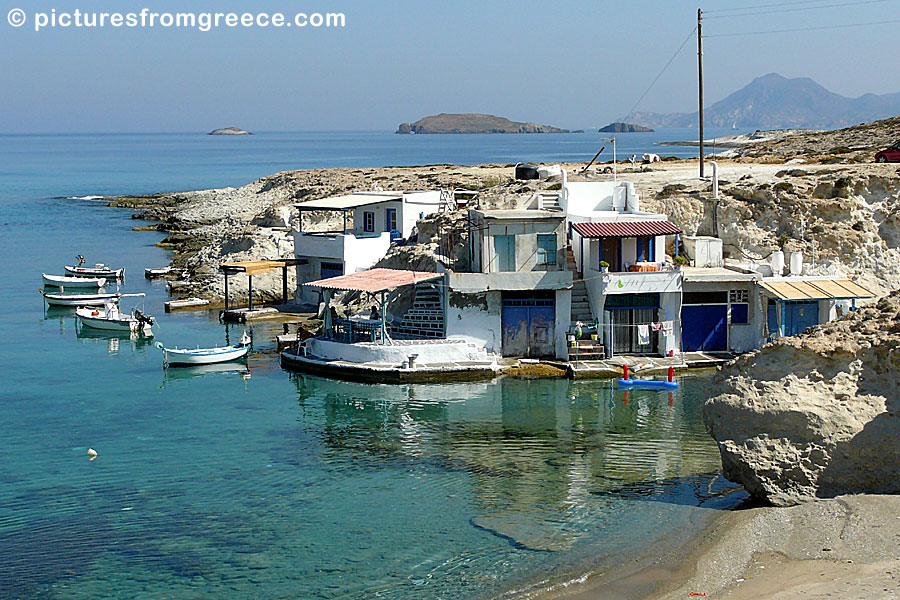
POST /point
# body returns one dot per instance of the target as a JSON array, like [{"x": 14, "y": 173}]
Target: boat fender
[{"x": 94, "y": 313}]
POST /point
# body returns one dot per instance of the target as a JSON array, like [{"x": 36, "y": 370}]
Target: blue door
[
  {"x": 331, "y": 269},
  {"x": 704, "y": 327},
  {"x": 529, "y": 327},
  {"x": 505, "y": 252},
  {"x": 798, "y": 316}
]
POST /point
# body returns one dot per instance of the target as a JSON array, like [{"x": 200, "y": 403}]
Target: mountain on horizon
[{"x": 776, "y": 102}]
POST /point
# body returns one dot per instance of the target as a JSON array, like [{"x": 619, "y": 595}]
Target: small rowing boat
[
  {"x": 111, "y": 318},
  {"x": 79, "y": 299},
  {"x": 65, "y": 281},
  {"x": 98, "y": 270},
  {"x": 205, "y": 356}
]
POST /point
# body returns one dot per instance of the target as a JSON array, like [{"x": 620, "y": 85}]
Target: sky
[{"x": 573, "y": 64}]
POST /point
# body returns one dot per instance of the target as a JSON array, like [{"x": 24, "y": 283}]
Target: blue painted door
[
  {"x": 704, "y": 327},
  {"x": 798, "y": 316},
  {"x": 332, "y": 269},
  {"x": 505, "y": 253},
  {"x": 529, "y": 327}
]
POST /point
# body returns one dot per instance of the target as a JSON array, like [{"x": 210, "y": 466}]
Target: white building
[
  {"x": 516, "y": 301},
  {"x": 363, "y": 225},
  {"x": 619, "y": 252}
]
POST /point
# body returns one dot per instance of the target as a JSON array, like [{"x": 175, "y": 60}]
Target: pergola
[
  {"x": 258, "y": 267},
  {"x": 374, "y": 281}
]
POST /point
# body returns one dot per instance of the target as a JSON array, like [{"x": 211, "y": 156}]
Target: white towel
[
  {"x": 668, "y": 327},
  {"x": 643, "y": 335}
]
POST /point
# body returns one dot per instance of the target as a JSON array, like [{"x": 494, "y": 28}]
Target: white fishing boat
[
  {"x": 110, "y": 318},
  {"x": 98, "y": 270},
  {"x": 65, "y": 281},
  {"x": 205, "y": 356},
  {"x": 78, "y": 299}
]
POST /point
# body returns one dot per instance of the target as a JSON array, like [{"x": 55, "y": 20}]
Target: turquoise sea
[{"x": 257, "y": 483}]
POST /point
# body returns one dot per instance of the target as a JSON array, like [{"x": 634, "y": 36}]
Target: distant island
[
  {"x": 776, "y": 102},
  {"x": 473, "y": 123},
  {"x": 619, "y": 127},
  {"x": 229, "y": 131}
]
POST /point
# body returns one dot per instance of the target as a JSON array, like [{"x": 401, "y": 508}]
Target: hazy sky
[{"x": 575, "y": 64}]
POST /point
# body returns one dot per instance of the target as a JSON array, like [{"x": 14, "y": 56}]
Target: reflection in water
[
  {"x": 114, "y": 340},
  {"x": 538, "y": 453},
  {"x": 177, "y": 373}
]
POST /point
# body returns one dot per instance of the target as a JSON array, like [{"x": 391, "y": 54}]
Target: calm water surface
[{"x": 260, "y": 484}]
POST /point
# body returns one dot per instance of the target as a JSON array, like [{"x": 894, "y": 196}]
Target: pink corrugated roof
[
  {"x": 626, "y": 229},
  {"x": 374, "y": 280}
]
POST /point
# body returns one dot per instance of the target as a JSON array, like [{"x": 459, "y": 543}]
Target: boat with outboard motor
[
  {"x": 111, "y": 318},
  {"x": 205, "y": 356},
  {"x": 98, "y": 270}
]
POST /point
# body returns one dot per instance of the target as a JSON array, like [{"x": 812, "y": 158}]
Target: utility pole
[{"x": 700, "y": 79}]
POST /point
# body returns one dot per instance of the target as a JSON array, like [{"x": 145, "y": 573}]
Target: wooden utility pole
[{"x": 700, "y": 79}]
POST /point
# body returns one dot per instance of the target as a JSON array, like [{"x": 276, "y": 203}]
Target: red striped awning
[{"x": 622, "y": 229}]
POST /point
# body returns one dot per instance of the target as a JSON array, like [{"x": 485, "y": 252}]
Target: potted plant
[
  {"x": 679, "y": 261},
  {"x": 604, "y": 266}
]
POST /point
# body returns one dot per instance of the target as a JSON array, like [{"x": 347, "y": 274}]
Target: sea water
[{"x": 258, "y": 483}]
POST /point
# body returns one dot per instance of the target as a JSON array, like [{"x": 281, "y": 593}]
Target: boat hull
[
  {"x": 207, "y": 356},
  {"x": 80, "y": 299},
  {"x": 123, "y": 325},
  {"x": 94, "y": 272},
  {"x": 73, "y": 282}
]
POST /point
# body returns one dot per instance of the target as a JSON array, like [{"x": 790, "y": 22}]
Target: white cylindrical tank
[
  {"x": 796, "y": 263},
  {"x": 777, "y": 262}
]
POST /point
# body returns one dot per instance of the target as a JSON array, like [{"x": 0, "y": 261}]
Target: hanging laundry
[
  {"x": 667, "y": 327},
  {"x": 644, "y": 335},
  {"x": 655, "y": 326}
]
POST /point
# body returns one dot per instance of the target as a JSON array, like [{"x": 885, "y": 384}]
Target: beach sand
[{"x": 845, "y": 547}]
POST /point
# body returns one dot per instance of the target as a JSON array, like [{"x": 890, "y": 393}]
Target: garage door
[
  {"x": 798, "y": 316},
  {"x": 529, "y": 326},
  {"x": 704, "y": 328}
]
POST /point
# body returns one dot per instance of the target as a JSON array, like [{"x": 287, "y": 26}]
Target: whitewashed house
[
  {"x": 516, "y": 299},
  {"x": 363, "y": 225},
  {"x": 636, "y": 299}
]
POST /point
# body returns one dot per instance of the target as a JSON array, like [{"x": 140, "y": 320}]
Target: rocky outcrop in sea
[{"x": 815, "y": 415}]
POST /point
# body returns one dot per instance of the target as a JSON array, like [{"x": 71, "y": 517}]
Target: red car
[{"x": 892, "y": 154}]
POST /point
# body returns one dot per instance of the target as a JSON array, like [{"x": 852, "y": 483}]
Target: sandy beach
[{"x": 846, "y": 547}]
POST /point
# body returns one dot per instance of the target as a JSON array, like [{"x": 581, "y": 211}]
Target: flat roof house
[
  {"x": 359, "y": 230},
  {"x": 516, "y": 299},
  {"x": 619, "y": 252}
]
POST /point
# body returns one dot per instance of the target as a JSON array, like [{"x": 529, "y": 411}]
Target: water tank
[
  {"x": 777, "y": 262},
  {"x": 796, "y": 263}
]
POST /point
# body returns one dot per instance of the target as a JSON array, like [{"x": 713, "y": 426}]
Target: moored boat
[
  {"x": 78, "y": 299},
  {"x": 205, "y": 356},
  {"x": 65, "y": 281},
  {"x": 98, "y": 270},
  {"x": 111, "y": 318}
]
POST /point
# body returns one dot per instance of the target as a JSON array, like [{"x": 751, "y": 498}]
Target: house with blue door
[
  {"x": 515, "y": 298},
  {"x": 350, "y": 233},
  {"x": 721, "y": 310},
  {"x": 618, "y": 253},
  {"x": 795, "y": 303}
]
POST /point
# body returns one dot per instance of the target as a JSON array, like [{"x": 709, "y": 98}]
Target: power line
[
  {"x": 753, "y": 12},
  {"x": 721, "y": 35},
  {"x": 778, "y": 4},
  {"x": 677, "y": 52}
]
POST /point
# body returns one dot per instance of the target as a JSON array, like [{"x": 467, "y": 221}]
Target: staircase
[
  {"x": 425, "y": 319},
  {"x": 584, "y": 349},
  {"x": 581, "y": 307},
  {"x": 548, "y": 201}
]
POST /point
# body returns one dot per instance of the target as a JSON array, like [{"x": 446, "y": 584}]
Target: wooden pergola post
[{"x": 250, "y": 290}]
